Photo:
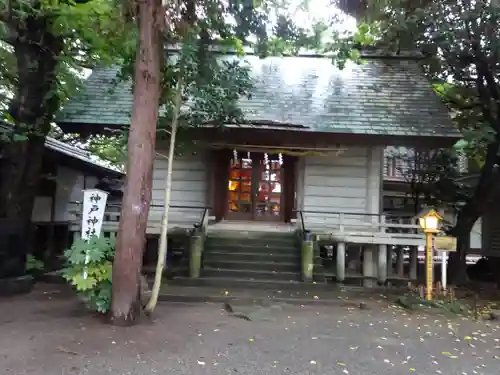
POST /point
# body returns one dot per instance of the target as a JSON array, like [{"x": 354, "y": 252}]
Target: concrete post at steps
[
  {"x": 340, "y": 275},
  {"x": 195, "y": 252},
  {"x": 414, "y": 262},
  {"x": 382, "y": 264},
  {"x": 369, "y": 265},
  {"x": 307, "y": 259},
  {"x": 400, "y": 262}
]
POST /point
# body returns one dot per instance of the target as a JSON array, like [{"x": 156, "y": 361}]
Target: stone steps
[
  {"x": 245, "y": 283},
  {"x": 251, "y": 298},
  {"x": 251, "y": 248},
  {"x": 241, "y": 265},
  {"x": 266, "y": 241},
  {"x": 227, "y": 256},
  {"x": 248, "y": 256},
  {"x": 250, "y": 274}
]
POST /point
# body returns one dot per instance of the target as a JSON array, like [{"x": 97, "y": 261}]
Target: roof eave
[{"x": 85, "y": 129}]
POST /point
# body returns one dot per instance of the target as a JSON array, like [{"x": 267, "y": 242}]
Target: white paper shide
[{"x": 94, "y": 206}]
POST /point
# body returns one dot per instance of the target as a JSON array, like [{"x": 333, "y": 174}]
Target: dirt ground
[{"x": 48, "y": 333}]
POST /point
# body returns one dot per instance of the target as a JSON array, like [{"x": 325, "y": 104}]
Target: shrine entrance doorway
[{"x": 255, "y": 186}]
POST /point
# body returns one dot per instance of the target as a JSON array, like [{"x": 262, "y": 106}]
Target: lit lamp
[{"x": 429, "y": 222}]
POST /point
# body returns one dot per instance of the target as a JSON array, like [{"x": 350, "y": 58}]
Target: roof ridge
[{"x": 367, "y": 52}]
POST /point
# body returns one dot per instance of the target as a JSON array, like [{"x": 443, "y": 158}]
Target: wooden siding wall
[
  {"x": 70, "y": 184},
  {"x": 189, "y": 182},
  {"x": 495, "y": 237},
  {"x": 491, "y": 233},
  {"x": 349, "y": 182}
]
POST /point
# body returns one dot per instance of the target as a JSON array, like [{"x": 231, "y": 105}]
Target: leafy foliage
[
  {"x": 431, "y": 176},
  {"x": 211, "y": 89},
  {"x": 88, "y": 269},
  {"x": 84, "y": 34},
  {"x": 33, "y": 264}
]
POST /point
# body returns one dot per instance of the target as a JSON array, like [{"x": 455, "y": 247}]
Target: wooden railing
[
  {"x": 363, "y": 227},
  {"x": 186, "y": 217},
  {"x": 301, "y": 225}
]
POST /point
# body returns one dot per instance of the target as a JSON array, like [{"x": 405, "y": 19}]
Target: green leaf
[
  {"x": 19, "y": 138},
  {"x": 83, "y": 283}
]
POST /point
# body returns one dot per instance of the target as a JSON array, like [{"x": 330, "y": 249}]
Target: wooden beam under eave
[{"x": 314, "y": 140}]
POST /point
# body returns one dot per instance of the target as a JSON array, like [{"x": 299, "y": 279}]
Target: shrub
[
  {"x": 34, "y": 265},
  {"x": 88, "y": 269}
]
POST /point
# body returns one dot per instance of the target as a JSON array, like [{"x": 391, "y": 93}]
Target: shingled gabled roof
[
  {"x": 81, "y": 156},
  {"x": 388, "y": 97}
]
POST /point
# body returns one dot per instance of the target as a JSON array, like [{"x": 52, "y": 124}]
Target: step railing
[
  {"x": 354, "y": 227},
  {"x": 180, "y": 216}
]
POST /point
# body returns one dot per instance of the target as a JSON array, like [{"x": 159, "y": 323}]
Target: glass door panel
[
  {"x": 254, "y": 188},
  {"x": 240, "y": 189},
  {"x": 268, "y": 198}
]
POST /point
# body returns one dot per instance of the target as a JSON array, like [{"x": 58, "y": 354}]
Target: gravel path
[{"x": 47, "y": 334}]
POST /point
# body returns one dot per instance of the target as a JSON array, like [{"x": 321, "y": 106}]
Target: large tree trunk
[
  {"x": 32, "y": 109},
  {"x": 125, "y": 304},
  {"x": 457, "y": 266},
  {"x": 486, "y": 193}
]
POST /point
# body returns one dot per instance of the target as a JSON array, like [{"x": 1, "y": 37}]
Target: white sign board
[
  {"x": 445, "y": 243},
  {"x": 94, "y": 206}
]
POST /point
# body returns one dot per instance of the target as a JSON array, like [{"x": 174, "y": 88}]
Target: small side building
[{"x": 66, "y": 172}]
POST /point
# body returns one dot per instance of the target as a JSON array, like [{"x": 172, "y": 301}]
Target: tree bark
[
  {"x": 32, "y": 109},
  {"x": 126, "y": 301},
  {"x": 457, "y": 266}
]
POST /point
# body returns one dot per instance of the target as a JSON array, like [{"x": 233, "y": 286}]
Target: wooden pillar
[
  {"x": 289, "y": 168},
  {"x": 400, "y": 262},
  {"x": 414, "y": 262},
  {"x": 389, "y": 261},
  {"x": 368, "y": 265},
  {"x": 353, "y": 255},
  {"x": 340, "y": 262},
  {"x": 382, "y": 264},
  {"x": 221, "y": 159}
]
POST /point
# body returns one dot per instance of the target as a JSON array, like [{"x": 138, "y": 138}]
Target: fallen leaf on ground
[{"x": 67, "y": 351}]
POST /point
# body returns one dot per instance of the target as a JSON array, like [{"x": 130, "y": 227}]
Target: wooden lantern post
[{"x": 430, "y": 225}]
